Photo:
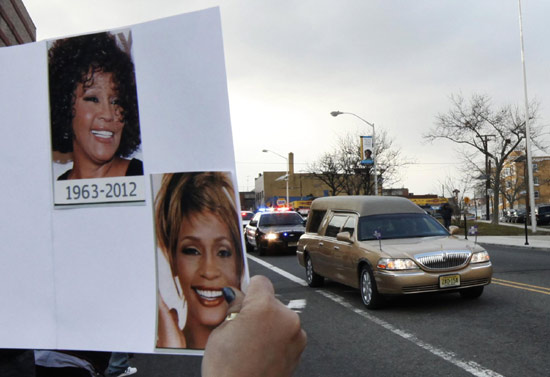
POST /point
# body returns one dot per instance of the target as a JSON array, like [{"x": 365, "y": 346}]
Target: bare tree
[
  {"x": 511, "y": 187},
  {"x": 342, "y": 171},
  {"x": 456, "y": 188},
  {"x": 495, "y": 133},
  {"x": 327, "y": 169},
  {"x": 349, "y": 152}
]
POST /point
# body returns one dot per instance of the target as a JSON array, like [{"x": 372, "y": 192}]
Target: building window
[
  {"x": 536, "y": 181},
  {"x": 535, "y": 167},
  {"x": 536, "y": 195}
]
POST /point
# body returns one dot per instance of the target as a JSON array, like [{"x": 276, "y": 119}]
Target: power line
[{"x": 305, "y": 163}]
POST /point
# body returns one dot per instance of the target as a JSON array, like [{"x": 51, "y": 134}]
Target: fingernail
[{"x": 228, "y": 294}]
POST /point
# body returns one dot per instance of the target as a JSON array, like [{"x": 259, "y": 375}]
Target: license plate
[
  {"x": 292, "y": 244},
  {"x": 449, "y": 281}
]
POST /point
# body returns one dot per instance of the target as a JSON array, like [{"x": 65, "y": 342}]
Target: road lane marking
[
  {"x": 276, "y": 269},
  {"x": 526, "y": 287},
  {"x": 468, "y": 366},
  {"x": 297, "y": 305}
]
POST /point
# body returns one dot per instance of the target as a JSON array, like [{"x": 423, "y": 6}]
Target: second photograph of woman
[{"x": 199, "y": 240}]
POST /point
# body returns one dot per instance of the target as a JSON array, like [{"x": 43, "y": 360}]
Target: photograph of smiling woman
[
  {"x": 93, "y": 105},
  {"x": 198, "y": 237}
]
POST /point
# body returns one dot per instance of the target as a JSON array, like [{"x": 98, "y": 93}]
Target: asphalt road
[{"x": 506, "y": 332}]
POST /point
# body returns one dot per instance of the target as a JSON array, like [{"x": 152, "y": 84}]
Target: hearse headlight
[
  {"x": 395, "y": 264},
  {"x": 480, "y": 257}
]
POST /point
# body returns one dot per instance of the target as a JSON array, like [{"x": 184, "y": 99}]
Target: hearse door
[
  {"x": 329, "y": 248},
  {"x": 347, "y": 259}
]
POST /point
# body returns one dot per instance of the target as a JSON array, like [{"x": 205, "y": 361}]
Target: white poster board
[{"x": 84, "y": 278}]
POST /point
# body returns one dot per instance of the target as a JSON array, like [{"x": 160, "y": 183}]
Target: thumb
[{"x": 234, "y": 298}]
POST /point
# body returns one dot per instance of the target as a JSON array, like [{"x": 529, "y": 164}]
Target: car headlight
[
  {"x": 271, "y": 236},
  {"x": 396, "y": 264},
  {"x": 480, "y": 257}
]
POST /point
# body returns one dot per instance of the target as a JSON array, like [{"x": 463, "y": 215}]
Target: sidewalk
[
  {"x": 535, "y": 242},
  {"x": 539, "y": 241}
]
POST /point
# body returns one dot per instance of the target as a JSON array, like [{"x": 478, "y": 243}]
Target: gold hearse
[{"x": 388, "y": 246}]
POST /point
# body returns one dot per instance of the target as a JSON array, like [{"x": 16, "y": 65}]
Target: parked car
[
  {"x": 246, "y": 216},
  {"x": 513, "y": 216},
  {"x": 543, "y": 215},
  {"x": 388, "y": 246},
  {"x": 274, "y": 231},
  {"x": 510, "y": 215},
  {"x": 519, "y": 216}
]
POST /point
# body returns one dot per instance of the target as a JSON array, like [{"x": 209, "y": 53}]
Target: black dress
[{"x": 134, "y": 168}]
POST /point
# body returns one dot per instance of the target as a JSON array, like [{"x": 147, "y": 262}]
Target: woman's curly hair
[{"x": 74, "y": 61}]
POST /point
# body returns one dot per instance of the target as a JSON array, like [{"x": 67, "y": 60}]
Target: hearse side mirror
[{"x": 344, "y": 236}]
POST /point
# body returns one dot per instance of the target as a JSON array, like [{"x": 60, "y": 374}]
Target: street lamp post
[
  {"x": 527, "y": 201},
  {"x": 335, "y": 114},
  {"x": 287, "y": 171},
  {"x": 530, "y": 181}
]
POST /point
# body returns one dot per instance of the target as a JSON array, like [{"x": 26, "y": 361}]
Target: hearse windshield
[{"x": 399, "y": 225}]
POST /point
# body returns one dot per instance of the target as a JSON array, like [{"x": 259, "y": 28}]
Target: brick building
[
  {"x": 269, "y": 187},
  {"x": 16, "y": 26},
  {"x": 513, "y": 179}
]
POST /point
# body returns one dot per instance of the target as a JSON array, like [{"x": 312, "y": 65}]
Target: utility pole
[
  {"x": 485, "y": 141},
  {"x": 488, "y": 186}
]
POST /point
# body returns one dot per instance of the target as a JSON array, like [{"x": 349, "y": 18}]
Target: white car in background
[{"x": 246, "y": 217}]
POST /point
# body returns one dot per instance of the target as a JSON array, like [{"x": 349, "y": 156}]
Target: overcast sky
[{"x": 393, "y": 62}]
